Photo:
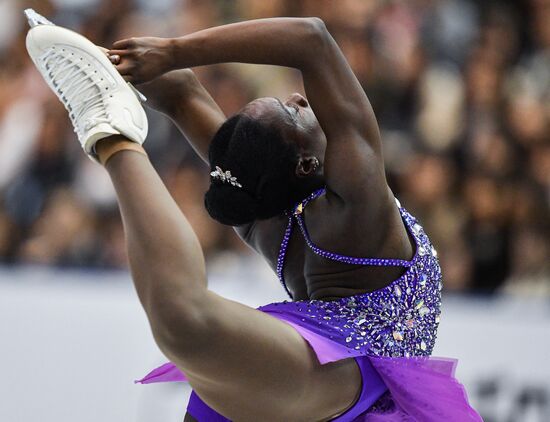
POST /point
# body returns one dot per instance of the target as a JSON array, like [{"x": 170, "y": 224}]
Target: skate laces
[{"x": 73, "y": 82}]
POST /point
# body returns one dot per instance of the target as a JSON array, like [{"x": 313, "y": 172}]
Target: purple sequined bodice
[{"x": 400, "y": 319}]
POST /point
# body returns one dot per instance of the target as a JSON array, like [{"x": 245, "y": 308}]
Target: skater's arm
[
  {"x": 353, "y": 158},
  {"x": 181, "y": 97}
]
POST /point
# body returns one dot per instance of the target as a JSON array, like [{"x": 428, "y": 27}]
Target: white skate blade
[{"x": 36, "y": 19}]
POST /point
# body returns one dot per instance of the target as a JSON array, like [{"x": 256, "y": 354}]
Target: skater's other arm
[
  {"x": 180, "y": 96},
  {"x": 353, "y": 166}
]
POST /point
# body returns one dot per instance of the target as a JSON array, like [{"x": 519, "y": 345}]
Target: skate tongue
[{"x": 36, "y": 19}]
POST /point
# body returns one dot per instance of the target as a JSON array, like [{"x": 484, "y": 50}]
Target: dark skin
[
  {"x": 337, "y": 127},
  {"x": 357, "y": 192}
]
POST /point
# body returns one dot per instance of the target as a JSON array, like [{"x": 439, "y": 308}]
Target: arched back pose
[{"x": 344, "y": 349}]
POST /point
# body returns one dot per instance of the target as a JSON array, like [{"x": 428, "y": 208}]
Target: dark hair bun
[
  {"x": 262, "y": 162},
  {"x": 230, "y": 205}
]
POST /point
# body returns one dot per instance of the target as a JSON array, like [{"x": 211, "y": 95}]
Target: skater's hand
[{"x": 141, "y": 60}]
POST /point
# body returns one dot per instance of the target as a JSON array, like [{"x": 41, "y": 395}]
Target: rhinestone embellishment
[
  {"x": 424, "y": 311},
  {"x": 225, "y": 177},
  {"x": 399, "y": 320},
  {"x": 398, "y": 336},
  {"x": 397, "y": 291},
  {"x": 423, "y": 279}
]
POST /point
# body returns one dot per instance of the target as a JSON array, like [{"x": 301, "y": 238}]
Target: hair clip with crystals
[{"x": 225, "y": 177}]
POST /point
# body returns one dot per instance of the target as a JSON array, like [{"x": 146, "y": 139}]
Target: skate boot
[{"x": 99, "y": 101}]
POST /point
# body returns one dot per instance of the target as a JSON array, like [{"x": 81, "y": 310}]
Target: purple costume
[{"x": 390, "y": 333}]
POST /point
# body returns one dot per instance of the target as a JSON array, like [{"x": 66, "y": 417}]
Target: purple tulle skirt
[{"x": 420, "y": 389}]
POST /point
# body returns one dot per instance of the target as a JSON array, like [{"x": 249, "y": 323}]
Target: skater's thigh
[{"x": 248, "y": 365}]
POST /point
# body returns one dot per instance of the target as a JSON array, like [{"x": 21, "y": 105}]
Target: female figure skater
[{"x": 302, "y": 181}]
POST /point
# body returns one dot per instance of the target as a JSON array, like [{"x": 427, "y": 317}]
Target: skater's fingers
[
  {"x": 115, "y": 52},
  {"x": 123, "y": 44},
  {"x": 114, "y": 58},
  {"x": 127, "y": 71},
  {"x": 125, "y": 67}
]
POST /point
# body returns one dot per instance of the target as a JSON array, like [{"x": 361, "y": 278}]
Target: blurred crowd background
[{"x": 461, "y": 89}]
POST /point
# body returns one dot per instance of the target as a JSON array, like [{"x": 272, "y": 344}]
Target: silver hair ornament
[{"x": 225, "y": 177}]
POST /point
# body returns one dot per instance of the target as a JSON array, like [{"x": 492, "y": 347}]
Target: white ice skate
[{"x": 100, "y": 103}]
